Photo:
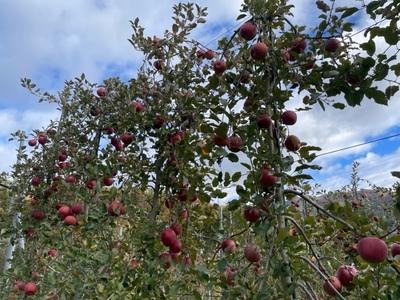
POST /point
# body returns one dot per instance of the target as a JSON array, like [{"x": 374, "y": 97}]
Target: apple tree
[{"x": 119, "y": 195}]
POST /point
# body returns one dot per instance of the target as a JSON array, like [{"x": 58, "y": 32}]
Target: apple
[
  {"x": 264, "y": 121},
  {"x": 310, "y": 63},
  {"x": 345, "y": 274},
  {"x": 108, "y": 181},
  {"x": 166, "y": 259},
  {"x": 20, "y": 285},
  {"x": 133, "y": 264},
  {"x": 292, "y": 143},
  {"x": 115, "y": 209},
  {"x": 285, "y": 56},
  {"x": 91, "y": 184},
  {"x": 252, "y": 215},
  {"x": 95, "y": 111},
  {"x": 35, "y": 181},
  {"x": 175, "y": 247},
  {"x": 220, "y": 141},
  {"x": 158, "y": 122},
  {"x": 395, "y": 249},
  {"x": 76, "y": 209},
  {"x": 176, "y": 137},
  {"x": 267, "y": 181},
  {"x": 32, "y": 142},
  {"x": 219, "y": 66},
  {"x": 70, "y": 220},
  {"x": 168, "y": 236},
  {"x": 228, "y": 275},
  {"x": 201, "y": 53},
  {"x": 159, "y": 65},
  {"x": 62, "y": 157},
  {"x": 187, "y": 260},
  {"x": 119, "y": 146},
  {"x": 115, "y": 141},
  {"x": 234, "y": 143},
  {"x": 332, "y": 45},
  {"x": 71, "y": 179},
  {"x": 183, "y": 193},
  {"x": 372, "y": 249},
  {"x": 138, "y": 105},
  {"x": 29, "y": 232},
  {"x": 30, "y": 288},
  {"x": 259, "y": 51},
  {"x": 252, "y": 254},
  {"x": 375, "y": 218},
  {"x": 169, "y": 202},
  {"x": 210, "y": 54},
  {"x": 42, "y": 139},
  {"x": 64, "y": 211},
  {"x": 248, "y": 103},
  {"x": 101, "y": 92},
  {"x": 38, "y": 214},
  {"x": 298, "y": 45},
  {"x": 228, "y": 246},
  {"x": 336, "y": 284},
  {"x": 352, "y": 79},
  {"x": 354, "y": 203},
  {"x": 52, "y": 252},
  {"x": 248, "y": 31},
  {"x": 176, "y": 227},
  {"x": 109, "y": 129},
  {"x": 183, "y": 214},
  {"x": 289, "y": 117},
  {"x": 126, "y": 138},
  {"x": 63, "y": 165}
]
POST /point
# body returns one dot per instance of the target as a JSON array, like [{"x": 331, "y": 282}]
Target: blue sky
[{"x": 51, "y": 41}]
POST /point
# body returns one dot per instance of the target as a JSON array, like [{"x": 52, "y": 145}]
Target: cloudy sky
[{"x": 51, "y": 41}]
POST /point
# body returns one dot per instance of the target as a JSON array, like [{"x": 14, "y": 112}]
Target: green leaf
[
  {"x": 396, "y": 174},
  {"x": 175, "y": 28},
  {"x": 241, "y": 16},
  {"x": 233, "y": 205},
  {"x": 381, "y": 71},
  {"x": 196, "y": 295},
  {"x": 338, "y": 105},
  {"x": 323, "y": 6},
  {"x": 396, "y": 69},
  {"x": 348, "y": 12},
  {"x": 233, "y": 157},
  {"x": 391, "y": 36},
  {"x": 201, "y": 20},
  {"x": 378, "y": 96},
  {"x": 369, "y": 47},
  {"x": 391, "y": 90},
  {"x": 236, "y": 176},
  {"x": 214, "y": 82},
  {"x": 282, "y": 233}
]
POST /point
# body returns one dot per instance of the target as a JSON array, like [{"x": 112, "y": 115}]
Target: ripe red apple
[
  {"x": 126, "y": 138},
  {"x": 336, "y": 284},
  {"x": 176, "y": 137},
  {"x": 210, "y": 54},
  {"x": 176, "y": 227},
  {"x": 201, "y": 53},
  {"x": 345, "y": 274},
  {"x": 248, "y": 31},
  {"x": 35, "y": 181},
  {"x": 228, "y": 246},
  {"x": 166, "y": 259},
  {"x": 32, "y": 142},
  {"x": 20, "y": 285},
  {"x": 29, "y": 232},
  {"x": 168, "y": 236},
  {"x": 310, "y": 63},
  {"x": 332, "y": 45},
  {"x": 372, "y": 249},
  {"x": 298, "y": 45},
  {"x": 354, "y": 203},
  {"x": 219, "y": 66},
  {"x": 220, "y": 141},
  {"x": 228, "y": 275},
  {"x": 159, "y": 65},
  {"x": 30, "y": 288},
  {"x": 175, "y": 247},
  {"x": 158, "y": 122},
  {"x": 234, "y": 143},
  {"x": 285, "y": 56},
  {"x": 101, "y": 92},
  {"x": 169, "y": 202},
  {"x": 115, "y": 209},
  {"x": 71, "y": 179},
  {"x": 52, "y": 252},
  {"x": 133, "y": 264},
  {"x": 292, "y": 143},
  {"x": 252, "y": 254},
  {"x": 42, "y": 139},
  {"x": 38, "y": 214},
  {"x": 187, "y": 260},
  {"x": 267, "y": 180},
  {"x": 91, "y": 184},
  {"x": 395, "y": 249},
  {"x": 70, "y": 220},
  {"x": 138, "y": 105},
  {"x": 108, "y": 181},
  {"x": 264, "y": 121},
  {"x": 289, "y": 117},
  {"x": 183, "y": 214},
  {"x": 76, "y": 209},
  {"x": 248, "y": 103},
  {"x": 95, "y": 111},
  {"x": 115, "y": 141},
  {"x": 252, "y": 215},
  {"x": 64, "y": 211},
  {"x": 259, "y": 51},
  {"x": 375, "y": 218}
]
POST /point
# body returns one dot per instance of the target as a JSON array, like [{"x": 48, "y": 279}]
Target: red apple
[
  {"x": 76, "y": 209},
  {"x": 101, "y": 92},
  {"x": 219, "y": 141},
  {"x": 168, "y": 236},
  {"x": 91, "y": 184},
  {"x": 35, "y": 181},
  {"x": 95, "y": 111},
  {"x": 228, "y": 246},
  {"x": 20, "y": 285},
  {"x": 292, "y": 143},
  {"x": 115, "y": 141},
  {"x": 219, "y": 66},
  {"x": 298, "y": 45},
  {"x": 345, "y": 274},
  {"x": 332, "y": 45},
  {"x": 71, "y": 179},
  {"x": 395, "y": 249},
  {"x": 159, "y": 65},
  {"x": 234, "y": 143},
  {"x": 176, "y": 227},
  {"x": 310, "y": 63},
  {"x": 30, "y": 288},
  {"x": 336, "y": 284},
  {"x": 285, "y": 55},
  {"x": 259, "y": 51},
  {"x": 354, "y": 203},
  {"x": 175, "y": 247},
  {"x": 264, "y": 121},
  {"x": 166, "y": 259},
  {"x": 252, "y": 254},
  {"x": 115, "y": 209},
  {"x": 252, "y": 215},
  {"x": 126, "y": 138},
  {"x": 52, "y": 252},
  {"x": 210, "y": 54},
  {"x": 176, "y": 137},
  {"x": 64, "y": 211},
  {"x": 70, "y": 220},
  {"x": 38, "y": 214},
  {"x": 32, "y": 142},
  {"x": 42, "y": 139},
  {"x": 201, "y": 53},
  {"x": 267, "y": 180},
  {"x": 108, "y": 181},
  {"x": 289, "y": 117},
  {"x": 138, "y": 105},
  {"x": 133, "y": 264},
  {"x": 187, "y": 260},
  {"x": 375, "y": 218},
  {"x": 158, "y": 122},
  {"x": 372, "y": 249},
  {"x": 248, "y": 31},
  {"x": 183, "y": 214},
  {"x": 248, "y": 103},
  {"x": 228, "y": 275}
]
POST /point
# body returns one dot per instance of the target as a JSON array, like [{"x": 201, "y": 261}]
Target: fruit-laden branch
[
  {"x": 317, "y": 206},
  {"x": 326, "y": 279},
  {"x": 390, "y": 232},
  {"x": 307, "y": 241},
  {"x": 306, "y": 291}
]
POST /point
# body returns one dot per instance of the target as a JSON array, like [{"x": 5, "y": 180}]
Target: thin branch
[{"x": 305, "y": 290}]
